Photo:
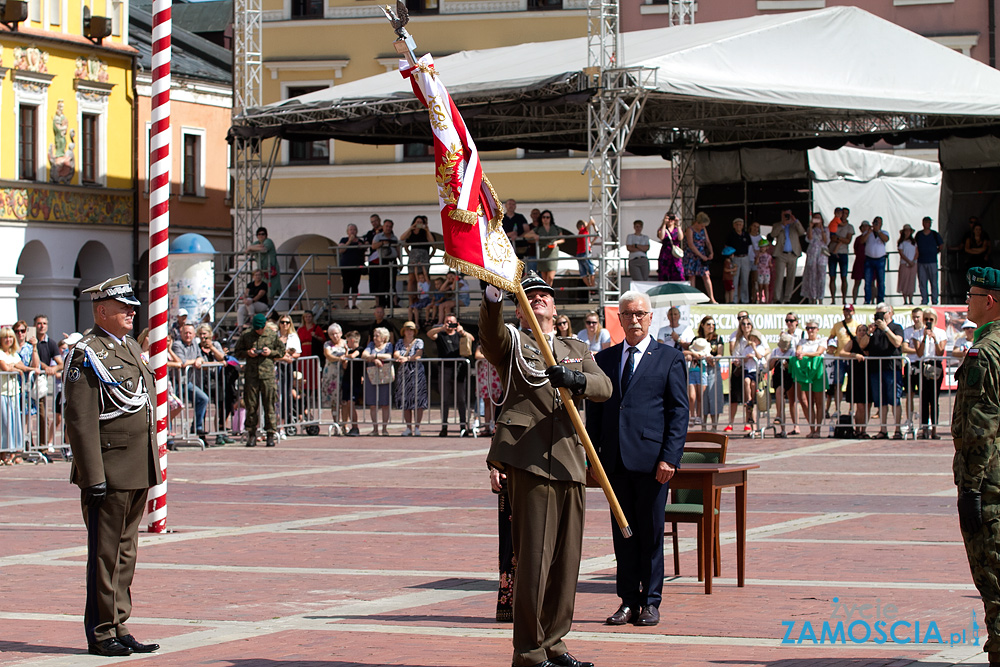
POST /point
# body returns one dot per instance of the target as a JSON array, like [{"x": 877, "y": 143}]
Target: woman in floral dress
[
  {"x": 814, "y": 272},
  {"x": 334, "y": 351},
  {"x": 411, "y": 382}
]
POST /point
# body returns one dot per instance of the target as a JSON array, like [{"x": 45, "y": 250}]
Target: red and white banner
[{"x": 471, "y": 214}]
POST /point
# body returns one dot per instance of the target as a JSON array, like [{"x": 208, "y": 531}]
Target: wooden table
[{"x": 711, "y": 477}]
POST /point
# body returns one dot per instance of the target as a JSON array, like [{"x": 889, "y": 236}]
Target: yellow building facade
[
  {"x": 318, "y": 188},
  {"x": 67, "y": 149}
]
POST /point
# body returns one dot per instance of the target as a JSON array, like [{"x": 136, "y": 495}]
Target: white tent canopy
[{"x": 764, "y": 78}]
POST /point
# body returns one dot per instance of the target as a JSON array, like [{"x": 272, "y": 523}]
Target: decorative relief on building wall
[
  {"x": 31, "y": 59},
  {"x": 62, "y": 150},
  {"x": 39, "y": 205},
  {"x": 91, "y": 69}
]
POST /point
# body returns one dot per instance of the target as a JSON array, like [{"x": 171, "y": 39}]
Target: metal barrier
[
  {"x": 44, "y": 427},
  {"x": 15, "y": 409},
  {"x": 890, "y": 393},
  {"x": 299, "y": 402},
  {"x": 424, "y": 392}
]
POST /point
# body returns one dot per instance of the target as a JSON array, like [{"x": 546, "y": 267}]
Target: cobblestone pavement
[{"x": 345, "y": 552}]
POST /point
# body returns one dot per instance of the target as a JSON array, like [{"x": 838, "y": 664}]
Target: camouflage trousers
[
  {"x": 265, "y": 392},
  {"x": 983, "y": 550}
]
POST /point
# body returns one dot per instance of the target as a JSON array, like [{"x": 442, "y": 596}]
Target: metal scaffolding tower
[
  {"x": 681, "y": 12},
  {"x": 252, "y": 168},
  {"x": 612, "y": 115}
]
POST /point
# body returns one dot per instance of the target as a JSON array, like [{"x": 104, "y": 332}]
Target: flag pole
[{"x": 595, "y": 462}]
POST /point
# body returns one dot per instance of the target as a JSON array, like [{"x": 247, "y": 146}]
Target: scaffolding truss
[{"x": 251, "y": 171}]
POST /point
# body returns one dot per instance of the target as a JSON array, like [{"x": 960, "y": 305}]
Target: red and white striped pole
[{"x": 159, "y": 226}]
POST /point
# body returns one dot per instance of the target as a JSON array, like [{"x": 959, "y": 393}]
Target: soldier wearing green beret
[
  {"x": 260, "y": 346},
  {"x": 976, "y": 429}
]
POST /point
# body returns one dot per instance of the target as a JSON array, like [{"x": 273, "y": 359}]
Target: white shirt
[
  {"x": 595, "y": 345},
  {"x": 809, "y": 346},
  {"x": 684, "y": 335},
  {"x": 745, "y": 347},
  {"x": 874, "y": 246},
  {"x": 636, "y": 357},
  {"x": 912, "y": 336},
  {"x": 637, "y": 239},
  {"x": 930, "y": 349}
]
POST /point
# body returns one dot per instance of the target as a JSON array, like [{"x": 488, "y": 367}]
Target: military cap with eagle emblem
[{"x": 119, "y": 289}]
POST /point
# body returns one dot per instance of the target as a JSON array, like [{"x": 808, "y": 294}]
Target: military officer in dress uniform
[
  {"x": 260, "y": 347},
  {"x": 538, "y": 449},
  {"x": 976, "y": 428},
  {"x": 110, "y": 426}
]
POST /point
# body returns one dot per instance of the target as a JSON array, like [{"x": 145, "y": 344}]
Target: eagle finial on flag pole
[{"x": 405, "y": 45}]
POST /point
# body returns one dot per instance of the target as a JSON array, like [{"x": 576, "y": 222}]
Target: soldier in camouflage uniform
[
  {"x": 976, "y": 429},
  {"x": 260, "y": 346}
]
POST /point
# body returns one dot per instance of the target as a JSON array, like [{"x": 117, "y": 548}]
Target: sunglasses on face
[
  {"x": 790, "y": 321},
  {"x": 284, "y": 322},
  {"x": 811, "y": 328},
  {"x": 20, "y": 330},
  {"x": 594, "y": 323}
]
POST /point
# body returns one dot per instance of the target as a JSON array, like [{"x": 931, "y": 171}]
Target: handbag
[
  {"x": 677, "y": 251},
  {"x": 379, "y": 375},
  {"x": 932, "y": 370}
]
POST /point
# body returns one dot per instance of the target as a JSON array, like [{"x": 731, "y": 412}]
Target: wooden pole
[{"x": 595, "y": 463}]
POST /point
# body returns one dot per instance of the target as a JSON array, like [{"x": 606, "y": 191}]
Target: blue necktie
[{"x": 629, "y": 368}]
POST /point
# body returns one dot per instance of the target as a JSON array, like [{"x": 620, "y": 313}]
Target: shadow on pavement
[
  {"x": 834, "y": 662},
  {"x": 8, "y": 646},
  {"x": 260, "y": 662}
]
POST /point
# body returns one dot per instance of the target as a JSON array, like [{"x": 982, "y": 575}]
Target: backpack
[{"x": 844, "y": 428}]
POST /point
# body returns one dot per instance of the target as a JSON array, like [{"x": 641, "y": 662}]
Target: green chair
[{"x": 686, "y": 505}]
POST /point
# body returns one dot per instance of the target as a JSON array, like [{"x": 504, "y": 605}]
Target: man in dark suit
[
  {"x": 109, "y": 424},
  {"x": 639, "y": 433},
  {"x": 539, "y": 451}
]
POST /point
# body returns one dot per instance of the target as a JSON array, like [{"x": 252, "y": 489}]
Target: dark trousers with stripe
[
  {"x": 547, "y": 533},
  {"x": 112, "y": 543}
]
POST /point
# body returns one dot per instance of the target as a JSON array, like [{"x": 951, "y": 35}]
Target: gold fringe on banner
[
  {"x": 470, "y": 269},
  {"x": 468, "y": 217}
]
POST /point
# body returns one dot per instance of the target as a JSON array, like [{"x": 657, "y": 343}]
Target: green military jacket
[
  {"x": 533, "y": 430},
  {"x": 975, "y": 424},
  {"x": 110, "y": 444},
  {"x": 258, "y": 366}
]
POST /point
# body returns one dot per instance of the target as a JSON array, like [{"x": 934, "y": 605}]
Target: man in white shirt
[
  {"x": 674, "y": 334},
  {"x": 930, "y": 349},
  {"x": 875, "y": 258},
  {"x": 637, "y": 245},
  {"x": 912, "y": 335}
]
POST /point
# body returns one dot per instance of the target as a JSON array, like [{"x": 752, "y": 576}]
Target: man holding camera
[
  {"x": 259, "y": 347},
  {"x": 883, "y": 347},
  {"x": 451, "y": 338},
  {"x": 786, "y": 235},
  {"x": 975, "y": 426}
]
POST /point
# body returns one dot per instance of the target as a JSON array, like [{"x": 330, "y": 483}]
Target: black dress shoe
[
  {"x": 130, "y": 642},
  {"x": 109, "y": 648},
  {"x": 649, "y": 615},
  {"x": 620, "y": 617},
  {"x": 566, "y": 660}
]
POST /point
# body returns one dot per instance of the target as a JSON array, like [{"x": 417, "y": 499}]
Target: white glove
[{"x": 494, "y": 294}]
